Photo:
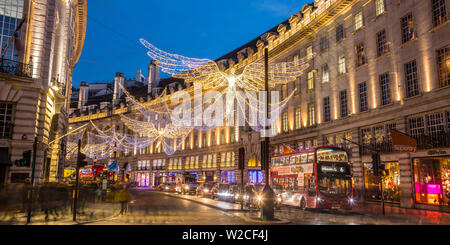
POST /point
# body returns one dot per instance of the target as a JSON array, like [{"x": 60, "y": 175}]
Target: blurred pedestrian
[{"x": 124, "y": 198}]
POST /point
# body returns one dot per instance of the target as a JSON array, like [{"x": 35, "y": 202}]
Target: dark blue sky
[{"x": 193, "y": 28}]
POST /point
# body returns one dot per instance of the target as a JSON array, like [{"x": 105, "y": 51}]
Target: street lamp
[{"x": 267, "y": 211}]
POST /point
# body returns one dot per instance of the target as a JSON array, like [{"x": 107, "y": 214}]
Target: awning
[{"x": 4, "y": 157}]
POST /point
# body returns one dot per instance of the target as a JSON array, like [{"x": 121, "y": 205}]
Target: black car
[{"x": 190, "y": 188}]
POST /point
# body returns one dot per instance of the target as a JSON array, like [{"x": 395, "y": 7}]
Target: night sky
[{"x": 193, "y": 28}]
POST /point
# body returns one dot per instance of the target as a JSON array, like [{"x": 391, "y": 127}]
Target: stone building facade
[
  {"x": 378, "y": 65},
  {"x": 35, "y": 83}
]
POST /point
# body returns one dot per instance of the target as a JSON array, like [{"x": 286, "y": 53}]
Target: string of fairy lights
[{"x": 156, "y": 125}]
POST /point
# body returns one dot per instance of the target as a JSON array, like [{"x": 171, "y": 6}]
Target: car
[
  {"x": 250, "y": 194},
  {"x": 235, "y": 194},
  {"x": 163, "y": 187},
  {"x": 190, "y": 188},
  {"x": 225, "y": 192},
  {"x": 205, "y": 190},
  {"x": 258, "y": 201},
  {"x": 219, "y": 191}
]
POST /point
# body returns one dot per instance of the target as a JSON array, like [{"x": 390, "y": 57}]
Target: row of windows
[
  {"x": 157, "y": 148},
  {"x": 433, "y": 124},
  {"x": 407, "y": 34},
  {"x": 11, "y": 12},
  {"x": 411, "y": 86}
]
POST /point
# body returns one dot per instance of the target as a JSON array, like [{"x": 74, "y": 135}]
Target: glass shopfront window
[
  {"x": 256, "y": 176},
  {"x": 143, "y": 179},
  {"x": 432, "y": 180},
  {"x": 228, "y": 177},
  {"x": 391, "y": 183}
]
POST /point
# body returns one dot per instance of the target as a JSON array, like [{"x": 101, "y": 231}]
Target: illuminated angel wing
[
  {"x": 147, "y": 129},
  {"x": 280, "y": 73},
  {"x": 172, "y": 63},
  {"x": 192, "y": 70}
]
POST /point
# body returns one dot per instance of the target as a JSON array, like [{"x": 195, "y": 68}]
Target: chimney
[
  {"x": 153, "y": 76},
  {"x": 119, "y": 78},
  {"x": 83, "y": 94}
]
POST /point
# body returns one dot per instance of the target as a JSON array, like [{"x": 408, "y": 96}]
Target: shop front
[
  {"x": 169, "y": 178},
  {"x": 228, "y": 177},
  {"x": 207, "y": 177},
  {"x": 127, "y": 173},
  {"x": 256, "y": 177},
  {"x": 432, "y": 180},
  {"x": 143, "y": 179},
  {"x": 113, "y": 170},
  {"x": 390, "y": 183}
]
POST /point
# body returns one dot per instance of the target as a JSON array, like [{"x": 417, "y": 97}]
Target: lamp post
[
  {"x": 267, "y": 211},
  {"x": 30, "y": 191},
  {"x": 75, "y": 191}
]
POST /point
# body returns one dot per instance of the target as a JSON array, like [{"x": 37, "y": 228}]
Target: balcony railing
[
  {"x": 384, "y": 147},
  {"x": 424, "y": 142},
  {"x": 16, "y": 68}
]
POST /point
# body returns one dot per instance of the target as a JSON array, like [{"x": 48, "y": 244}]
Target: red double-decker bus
[
  {"x": 316, "y": 178},
  {"x": 92, "y": 173}
]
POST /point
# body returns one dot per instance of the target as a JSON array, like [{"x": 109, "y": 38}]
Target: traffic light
[
  {"x": 82, "y": 160},
  {"x": 25, "y": 161},
  {"x": 382, "y": 169},
  {"x": 376, "y": 164}
]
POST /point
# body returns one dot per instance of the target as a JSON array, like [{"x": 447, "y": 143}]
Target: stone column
[
  {"x": 357, "y": 167},
  {"x": 406, "y": 172}
]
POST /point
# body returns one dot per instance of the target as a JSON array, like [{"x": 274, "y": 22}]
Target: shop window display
[
  {"x": 391, "y": 183},
  {"x": 432, "y": 181}
]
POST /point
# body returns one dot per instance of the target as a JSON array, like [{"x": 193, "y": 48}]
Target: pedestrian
[{"x": 124, "y": 198}]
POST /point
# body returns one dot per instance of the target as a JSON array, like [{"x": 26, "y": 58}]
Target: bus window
[
  {"x": 297, "y": 159},
  {"x": 310, "y": 185},
  {"x": 311, "y": 157},
  {"x": 293, "y": 159},
  {"x": 304, "y": 158}
]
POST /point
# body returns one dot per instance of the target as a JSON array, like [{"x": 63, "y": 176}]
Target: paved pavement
[{"x": 90, "y": 213}]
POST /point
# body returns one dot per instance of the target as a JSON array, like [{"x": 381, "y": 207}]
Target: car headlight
[
  {"x": 167, "y": 188},
  {"x": 187, "y": 187},
  {"x": 206, "y": 190}
]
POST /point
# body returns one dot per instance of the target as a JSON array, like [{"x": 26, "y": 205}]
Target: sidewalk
[
  {"x": 92, "y": 213},
  {"x": 374, "y": 209}
]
